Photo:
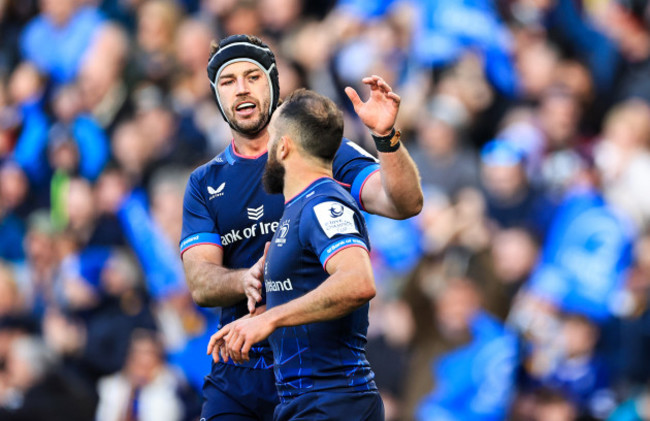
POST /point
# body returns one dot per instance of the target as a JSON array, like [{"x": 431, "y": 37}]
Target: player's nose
[{"x": 242, "y": 86}]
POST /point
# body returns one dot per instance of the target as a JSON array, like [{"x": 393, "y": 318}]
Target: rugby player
[{"x": 228, "y": 217}]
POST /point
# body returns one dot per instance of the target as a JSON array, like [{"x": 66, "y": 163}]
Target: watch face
[{"x": 395, "y": 138}]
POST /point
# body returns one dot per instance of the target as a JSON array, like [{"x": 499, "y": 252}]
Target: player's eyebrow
[{"x": 232, "y": 76}]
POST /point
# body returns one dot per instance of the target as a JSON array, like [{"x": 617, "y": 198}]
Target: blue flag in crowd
[
  {"x": 586, "y": 255},
  {"x": 159, "y": 259},
  {"x": 476, "y": 381}
]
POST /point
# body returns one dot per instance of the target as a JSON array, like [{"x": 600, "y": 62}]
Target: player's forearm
[
  {"x": 212, "y": 285},
  {"x": 337, "y": 296},
  {"x": 400, "y": 184}
]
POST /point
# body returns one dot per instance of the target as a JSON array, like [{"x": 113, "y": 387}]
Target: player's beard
[
  {"x": 273, "y": 177},
  {"x": 251, "y": 127}
]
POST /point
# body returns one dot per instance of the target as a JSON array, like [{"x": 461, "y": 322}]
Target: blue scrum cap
[{"x": 237, "y": 48}]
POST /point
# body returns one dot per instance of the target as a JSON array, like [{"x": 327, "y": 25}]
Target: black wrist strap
[{"x": 388, "y": 143}]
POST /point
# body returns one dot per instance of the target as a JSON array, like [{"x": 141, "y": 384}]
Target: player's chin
[{"x": 250, "y": 125}]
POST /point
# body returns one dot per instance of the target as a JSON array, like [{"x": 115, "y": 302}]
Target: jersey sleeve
[
  {"x": 198, "y": 224},
  {"x": 327, "y": 226},
  {"x": 352, "y": 167}
]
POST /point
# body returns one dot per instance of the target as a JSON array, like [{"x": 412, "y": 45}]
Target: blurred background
[{"x": 520, "y": 292}]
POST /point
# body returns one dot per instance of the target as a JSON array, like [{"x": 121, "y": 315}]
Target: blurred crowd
[{"x": 520, "y": 292}]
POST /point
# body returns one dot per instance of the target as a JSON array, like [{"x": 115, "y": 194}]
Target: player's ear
[{"x": 285, "y": 147}]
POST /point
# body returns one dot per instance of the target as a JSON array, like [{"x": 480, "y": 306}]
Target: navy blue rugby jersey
[
  {"x": 316, "y": 224},
  {"x": 226, "y": 205}
]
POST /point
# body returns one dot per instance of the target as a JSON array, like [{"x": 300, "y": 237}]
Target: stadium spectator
[
  {"x": 469, "y": 356},
  {"x": 157, "y": 22},
  {"x": 623, "y": 159},
  {"x": 441, "y": 154},
  {"x": 11, "y": 300},
  {"x": 77, "y": 145},
  {"x": 512, "y": 201},
  {"x": 145, "y": 389},
  {"x": 94, "y": 334},
  {"x": 388, "y": 351},
  {"x": 38, "y": 390},
  {"x": 578, "y": 371},
  {"x": 102, "y": 80},
  {"x": 13, "y": 193},
  {"x": 67, "y": 28},
  {"x": 199, "y": 123}
]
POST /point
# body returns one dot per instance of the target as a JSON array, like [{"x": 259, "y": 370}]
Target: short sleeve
[
  {"x": 352, "y": 167},
  {"x": 328, "y": 226},
  {"x": 198, "y": 224}
]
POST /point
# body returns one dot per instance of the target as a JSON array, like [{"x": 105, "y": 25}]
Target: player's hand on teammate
[
  {"x": 380, "y": 111},
  {"x": 253, "y": 281},
  {"x": 234, "y": 341}
]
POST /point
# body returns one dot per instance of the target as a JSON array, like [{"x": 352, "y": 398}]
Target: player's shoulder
[
  {"x": 204, "y": 179},
  {"x": 212, "y": 167},
  {"x": 345, "y": 147},
  {"x": 329, "y": 192},
  {"x": 325, "y": 189},
  {"x": 333, "y": 209},
  {"x": 351, "y": 150}
]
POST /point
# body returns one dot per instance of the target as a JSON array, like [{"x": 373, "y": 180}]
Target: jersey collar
[
  {"x": 308, "y": 189},
  {"x": 232, "y": 155}
]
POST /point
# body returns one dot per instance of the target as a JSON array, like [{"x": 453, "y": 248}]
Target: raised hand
[{"x": 379, "y": 112}]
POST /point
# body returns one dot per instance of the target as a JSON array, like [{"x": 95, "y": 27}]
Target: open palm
[{"x": 380, "y": 111}]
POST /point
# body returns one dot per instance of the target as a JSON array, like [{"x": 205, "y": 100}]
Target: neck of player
[
  {"x": 251, "y": 145},
  {"x": 300, "y": 173}
]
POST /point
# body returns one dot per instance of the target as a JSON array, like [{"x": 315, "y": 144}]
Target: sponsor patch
[
  {"x": 274, "y": 286},
  {"x": 255, "y": 213},
  {"x": 216, "y": 192},
  {"x": 281, "y": 238},
  {"x": 335, "y": 218}
]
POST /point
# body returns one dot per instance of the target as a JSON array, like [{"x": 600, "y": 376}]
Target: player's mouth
[{"x": 246, "y": 108}]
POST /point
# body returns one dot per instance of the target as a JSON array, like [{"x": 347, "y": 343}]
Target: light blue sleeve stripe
[
  {"x": 200, "y": 238},
  {"x": 359, "y": 180},
  {"x": 338, "y": 245}
]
